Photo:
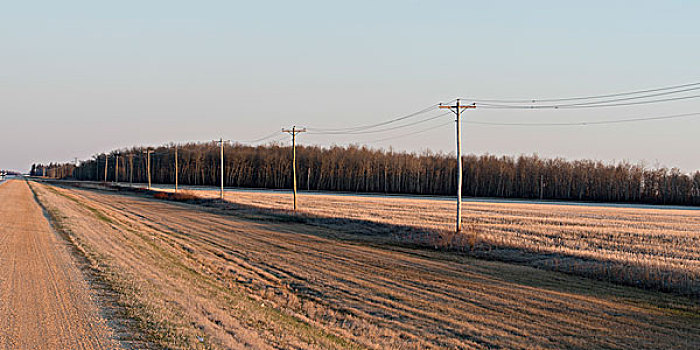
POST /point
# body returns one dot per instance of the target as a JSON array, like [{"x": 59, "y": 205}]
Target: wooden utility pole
[
  {"x": 221, "y": 141},
  {"x": 131, "y": 168},
  {"x": 457, "y": 110},
  {"x": 106, "y": 165},
  {"x": 541, "y": 187},
  {"x": 148, "y": 165},
  {"x": 294, "y": 131},
  {"x": 175, "y": 168},
  {"x": 116, "y": 168}
]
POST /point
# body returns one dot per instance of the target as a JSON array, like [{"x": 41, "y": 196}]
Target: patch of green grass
[{"x": 96, "y": 212}]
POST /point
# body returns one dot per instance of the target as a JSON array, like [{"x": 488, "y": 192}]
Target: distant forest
[{"x": 361, "y": 169}]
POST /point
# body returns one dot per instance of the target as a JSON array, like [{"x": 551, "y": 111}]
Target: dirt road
[
  {"x": 45, "y": 302},
  {"x": 221, "y": 279}
]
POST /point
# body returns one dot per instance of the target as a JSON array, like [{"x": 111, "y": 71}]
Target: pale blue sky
[{"x": 81, "y": 77}]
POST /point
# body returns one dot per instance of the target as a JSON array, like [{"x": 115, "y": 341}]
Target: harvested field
[
  {"x": 213, "y": 278},
  {"x": 651, "y": 248}
]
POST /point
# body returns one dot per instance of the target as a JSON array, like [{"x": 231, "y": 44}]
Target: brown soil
[
  {"x": 221, "y": 279},
  {"x": 45, "y": 302}
]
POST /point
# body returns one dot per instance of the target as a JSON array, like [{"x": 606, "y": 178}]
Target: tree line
[
  {"x": 362, "y": 169},
  {"x": 9, "y": 172}
]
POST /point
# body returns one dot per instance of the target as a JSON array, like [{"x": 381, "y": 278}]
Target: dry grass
[
  {"x": 180, "y": 196},
  {"x": 265, "y": 282},
  {"x": 650, "y": 248}
]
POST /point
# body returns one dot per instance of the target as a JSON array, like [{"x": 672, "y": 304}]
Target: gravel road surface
[{"x": 45, "y": 301}]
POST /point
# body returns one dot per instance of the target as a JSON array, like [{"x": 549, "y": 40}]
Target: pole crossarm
[
  {"x": 457, "y": 106},
  {"x": 294, "y": 131}
]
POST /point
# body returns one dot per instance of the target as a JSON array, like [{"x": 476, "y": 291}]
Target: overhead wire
[
  {"x": 665, "y": 93},
  {"x": 280, "y": 138},
  {"x": 586, "y": 123},
  {"x": 409, "y": 134},
  {"x": 628, "y": 93},
  {"x": 638, "y": 97},
  {"x": 264, "y": 138},
  {"x": 370, "y": 131},
  {"x": 609, "y": 103},
  {"x": 372, "y": 126}
]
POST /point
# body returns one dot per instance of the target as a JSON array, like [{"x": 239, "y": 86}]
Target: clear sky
[{"x": 82, "y": 77}]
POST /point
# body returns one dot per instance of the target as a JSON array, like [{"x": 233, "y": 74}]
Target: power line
[
  {"x": 621, "y": 99},
  {"x": 474, "y": 122},
  {"x": 279, "y": 139},
  {"x": 264, "y": 138},
  {"x": 628, "y": 93},
  {"x": 384, "y": 129},
  {"x": 607, "y": 100},
  {"x": 371, "y": 126},
  {"x": 411, "y": 133},
  {"x": 586, "y": 123},
  {"x": 571, "y": 106}
]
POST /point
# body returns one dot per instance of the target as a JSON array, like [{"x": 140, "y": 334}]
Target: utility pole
[
  {"x": 116, "y": 168},
  {"x": 457, "y": 110},
  {"x": 148, "y": 152},
  {"x": 175, "y": 168},
  {"x": 541, "y": 187},
  {"x": 294, "y": 131},
  {"x": 106, "y": 165},
  {"x": 221, "y": 141},
  {"x": 131, "y": 168}
]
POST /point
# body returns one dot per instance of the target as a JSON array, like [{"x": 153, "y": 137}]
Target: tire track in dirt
[{"x": 45, "y": 302}]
